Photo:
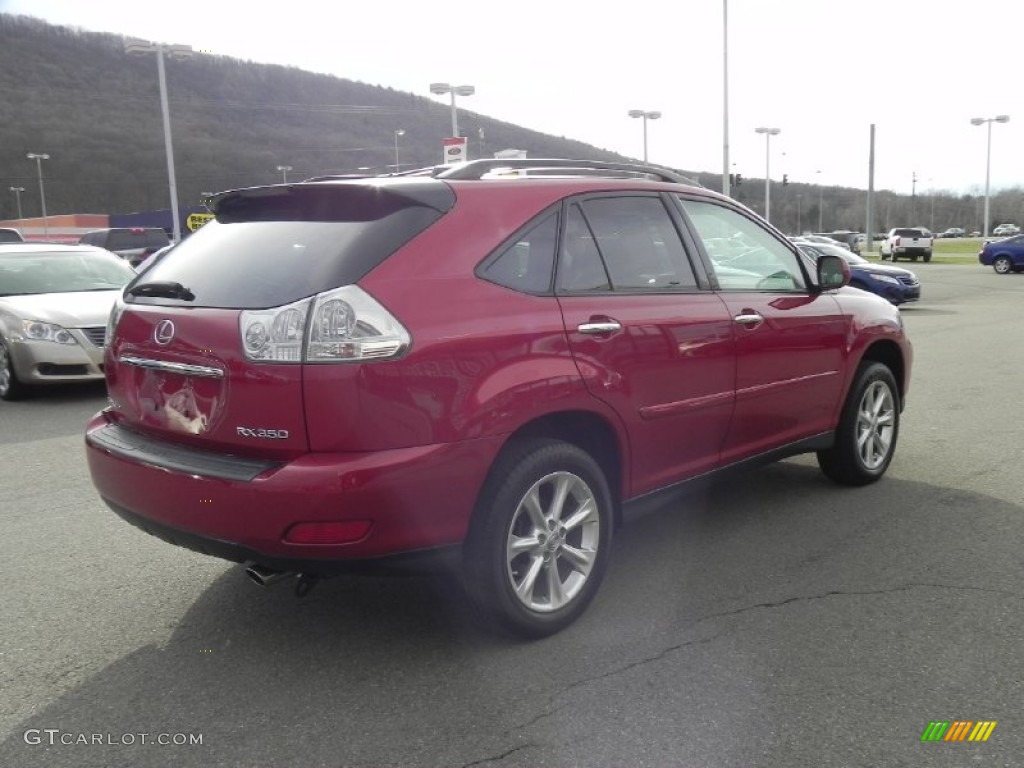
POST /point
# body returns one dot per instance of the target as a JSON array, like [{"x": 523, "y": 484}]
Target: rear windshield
[
  {"x": 277, "y": 245},
  {"x": 910, "y": 233}
]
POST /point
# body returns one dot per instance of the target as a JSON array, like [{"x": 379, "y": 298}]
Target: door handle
[
  {"x": 749, "y": 318},
  {"x": 591, "y": 329}
]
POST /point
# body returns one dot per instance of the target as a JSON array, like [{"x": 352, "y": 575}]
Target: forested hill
[{"x": 77, "y": 96}]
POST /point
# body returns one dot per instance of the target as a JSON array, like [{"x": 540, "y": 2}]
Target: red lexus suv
[{"x": 492, "y": 361}]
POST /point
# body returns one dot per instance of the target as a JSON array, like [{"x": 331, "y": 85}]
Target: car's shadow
[{"x": 393, "y": 671}]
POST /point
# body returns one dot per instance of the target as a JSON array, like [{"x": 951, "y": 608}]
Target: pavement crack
[
  {"x": 852, "y": 593},
  {"x": 498, "y": 758},
  {"x": 552, "y": 707}
]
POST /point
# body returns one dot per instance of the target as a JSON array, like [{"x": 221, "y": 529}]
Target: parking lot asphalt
[{"x": 774, "y": 620}]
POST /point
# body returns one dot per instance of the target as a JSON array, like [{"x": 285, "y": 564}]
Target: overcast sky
[{"x": 819, "y": 70}]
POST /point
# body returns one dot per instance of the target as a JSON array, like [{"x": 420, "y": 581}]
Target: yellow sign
[{"x": 196, "y": 220}]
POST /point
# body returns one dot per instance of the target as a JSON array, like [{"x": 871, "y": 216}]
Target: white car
[
  {"x": 54, "y": 304},
  {"x": 1005, "y": 230}
]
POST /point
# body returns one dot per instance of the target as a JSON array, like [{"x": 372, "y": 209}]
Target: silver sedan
[{"x": 54, "y": 304}]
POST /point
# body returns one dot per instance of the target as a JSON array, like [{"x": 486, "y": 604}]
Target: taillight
[
  {"x": 897, "y": 241},
  {"x": 349, "y": 324},
  {"x": 275, "y": 335},
  {"x": 343, "y": 325}
]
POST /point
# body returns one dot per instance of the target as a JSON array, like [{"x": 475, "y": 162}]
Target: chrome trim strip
[{"x": 165, "y": 365}]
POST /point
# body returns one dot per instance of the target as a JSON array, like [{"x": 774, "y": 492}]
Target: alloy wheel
[
  {"x": 876, "y": 420},
  {"x": 552, "y": 542}
]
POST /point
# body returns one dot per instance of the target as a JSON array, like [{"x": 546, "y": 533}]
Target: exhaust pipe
[{"x": 266, "y": 576}]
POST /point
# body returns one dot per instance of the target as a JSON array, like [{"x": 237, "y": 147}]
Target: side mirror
[{"x": 833, "y": 272}]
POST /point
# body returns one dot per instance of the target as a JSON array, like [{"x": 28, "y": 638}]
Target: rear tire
[
  {"x": 869, "y": 425},
  {"x": 540, "y": 539},
  {"x": 11, "y": 387},
  {"x": 927, "y": 257}
]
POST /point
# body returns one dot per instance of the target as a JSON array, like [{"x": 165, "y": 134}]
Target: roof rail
[
  {"x": 339, "y": 177},
  {"x": 477, "y": 169}
]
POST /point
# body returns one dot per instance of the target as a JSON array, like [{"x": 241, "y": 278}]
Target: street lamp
[
  {"x": 136, "y": 47},
  {"x": 768, "y": 133},
  {"x": 988, "y": 154},
  {"x": 398, "y": 132},
  {"x": 17, "y": 194},
  {"x": 284, "y": 172},
  {"x": 42, "y": 196},
  {"x": 461, "y": 90},
  {"x": 646, "y": 116}
]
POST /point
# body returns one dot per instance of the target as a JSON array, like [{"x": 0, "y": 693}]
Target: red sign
[{"x": 454, "y": 149}]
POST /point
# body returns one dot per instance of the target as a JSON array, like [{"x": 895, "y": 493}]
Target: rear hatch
[{"x": 207, "y": 347}]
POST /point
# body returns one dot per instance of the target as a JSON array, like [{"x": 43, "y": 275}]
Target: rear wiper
[{"x": 166, "y": 289}]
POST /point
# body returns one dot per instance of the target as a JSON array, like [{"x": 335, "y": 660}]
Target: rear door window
[{"x": 626, "y": 244}]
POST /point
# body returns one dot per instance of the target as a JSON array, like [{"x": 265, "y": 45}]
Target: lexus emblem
[{"x": 164, "y": 332}]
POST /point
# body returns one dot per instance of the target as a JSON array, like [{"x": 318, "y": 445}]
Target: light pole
[
  {"x": 931, "y": 193},
  {"x": 461, "y": 90},
  {"x": 799, "y": 201},
  {"x": 42, "y": 196},
  {"x": 284, "y": 172},
  {"x": 725, "y": 97},
  {"x": 653, "y": 115},
  {"x": 913, "y": 196},
  {"x": 398, "y": 132},
  {"x": 17, "y": 194},
  {"x": 136, "y": 47},
  {"x": 821, "y": 199},
  {"x": 768, "y": 133},
  {"x": 988, "y": 154}
]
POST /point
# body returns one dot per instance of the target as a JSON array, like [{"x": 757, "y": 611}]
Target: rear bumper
[{"x": 418, "y": 498}]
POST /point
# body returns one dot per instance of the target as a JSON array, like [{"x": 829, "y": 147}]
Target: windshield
[{"x": 61, "y": 272}]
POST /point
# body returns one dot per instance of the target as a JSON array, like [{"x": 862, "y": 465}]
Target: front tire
[
  {"x": 540, "y": 539},
  {"x": 868, "y": 428},
  {"x": 11, "y": 387},
  {"x": 1002, "y": 265}
]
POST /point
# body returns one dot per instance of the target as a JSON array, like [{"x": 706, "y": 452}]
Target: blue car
[
  {"x": 896, "y": 284},
  {"x": 1004, "y": 256}
]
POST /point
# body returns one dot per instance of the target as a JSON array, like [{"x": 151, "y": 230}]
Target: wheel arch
[
  {"x": 889, "y": 354},
  {"x": 588, "y": 431}
]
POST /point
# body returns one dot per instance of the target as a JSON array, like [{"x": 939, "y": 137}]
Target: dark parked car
[
  {"x": 1004, "y": 256},
  {"x": 133, "y": 244},
  {"x": 854, "y": 241},
  {"x": 895, "y": 284},
  {"x": 478, "y": 363}
]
